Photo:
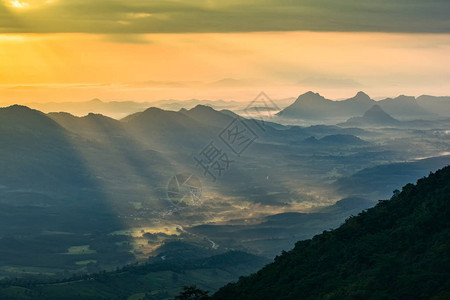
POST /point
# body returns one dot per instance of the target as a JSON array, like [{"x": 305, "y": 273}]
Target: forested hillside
[{"x": 399, "y": 249}]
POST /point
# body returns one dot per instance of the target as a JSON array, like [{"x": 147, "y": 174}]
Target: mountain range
[
  {"x": 120, "y": 109},
  {"x": 307, "y": 106},
  {"x": 313, "y": 106}
]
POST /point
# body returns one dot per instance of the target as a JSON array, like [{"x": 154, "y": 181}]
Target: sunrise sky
[{"x": 76, "y": 50}]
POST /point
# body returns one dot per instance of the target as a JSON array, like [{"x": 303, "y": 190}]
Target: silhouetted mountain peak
[
  {"x": 207, "y": 115},
  {"x": 378, "y": 115},
  {"x": 149, "y": 113},
  {"x": 202, "y": 108},
  {"x": 61, "y": 113},
  {"x": 308, "y": 105},
  {"x": 314, "y": 106},
  {"x": 21, "y": 111},
  {"x": 375, "y": 110},
  {"x": 93, "y": 115},
  {"x": 310, "y": 96},
  {"x": 374, "y": 116},
  {"x": 153, "y": 111},
  {"x": 24, "y": 118},
  {"x": 95, "y": 101},
  {"x": 361, "y": 96},
  {"x": 18, "y": 108}
]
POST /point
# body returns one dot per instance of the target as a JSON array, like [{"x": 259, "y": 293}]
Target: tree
[{"x": 192, "y": 293}]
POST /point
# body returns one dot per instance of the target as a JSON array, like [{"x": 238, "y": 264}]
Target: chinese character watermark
[
  {"x": 213, "y": 160},
  {"x": 237, "y": 137},
  {"x": 261, "y": 108}
]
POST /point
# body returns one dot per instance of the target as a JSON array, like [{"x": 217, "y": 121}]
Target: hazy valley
[{"x": 86, "y": 194}]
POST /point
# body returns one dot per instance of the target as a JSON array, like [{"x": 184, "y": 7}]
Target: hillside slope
[{"x": 397, "y": 250}]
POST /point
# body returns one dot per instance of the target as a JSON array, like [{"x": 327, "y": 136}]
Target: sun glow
[
  {"x": 74, "y": 66},
  {"x": 19, "y": 4},
  {"x": 22, "y": 4}
]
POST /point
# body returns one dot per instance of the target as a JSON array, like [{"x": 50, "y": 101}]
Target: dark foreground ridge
[{"x": 398, "y": 249}]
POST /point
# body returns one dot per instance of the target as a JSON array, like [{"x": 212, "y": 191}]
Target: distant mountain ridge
[
  {"x": 311, "y": 106},
  {"x": 437, "y": 105},
  {"x": 121, "y": 109}
]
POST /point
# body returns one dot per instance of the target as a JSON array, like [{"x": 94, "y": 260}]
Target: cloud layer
[{"x": 180, "y": 16}]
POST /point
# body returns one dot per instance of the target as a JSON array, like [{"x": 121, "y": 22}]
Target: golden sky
[{"x": 60, "y": 50}]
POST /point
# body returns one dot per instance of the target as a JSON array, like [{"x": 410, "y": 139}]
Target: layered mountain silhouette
[
  {"x": 208, "y": 115},
  {"x": 22, "y": 120},
  {"x": 402, "y": 107},
  {"x": 46, "y": 184},
  {"x": 92, "y": 126},
  {"x": 396, "y": 250},
  {"x": 406, "y": 108},
  {"x": 31, "y": 144},
  {"x": 120, "y": 109},
  {"x": 437, "y": 105},
  {"x": 375, "y": 116},
  {"x": 313, "y": 106}
]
